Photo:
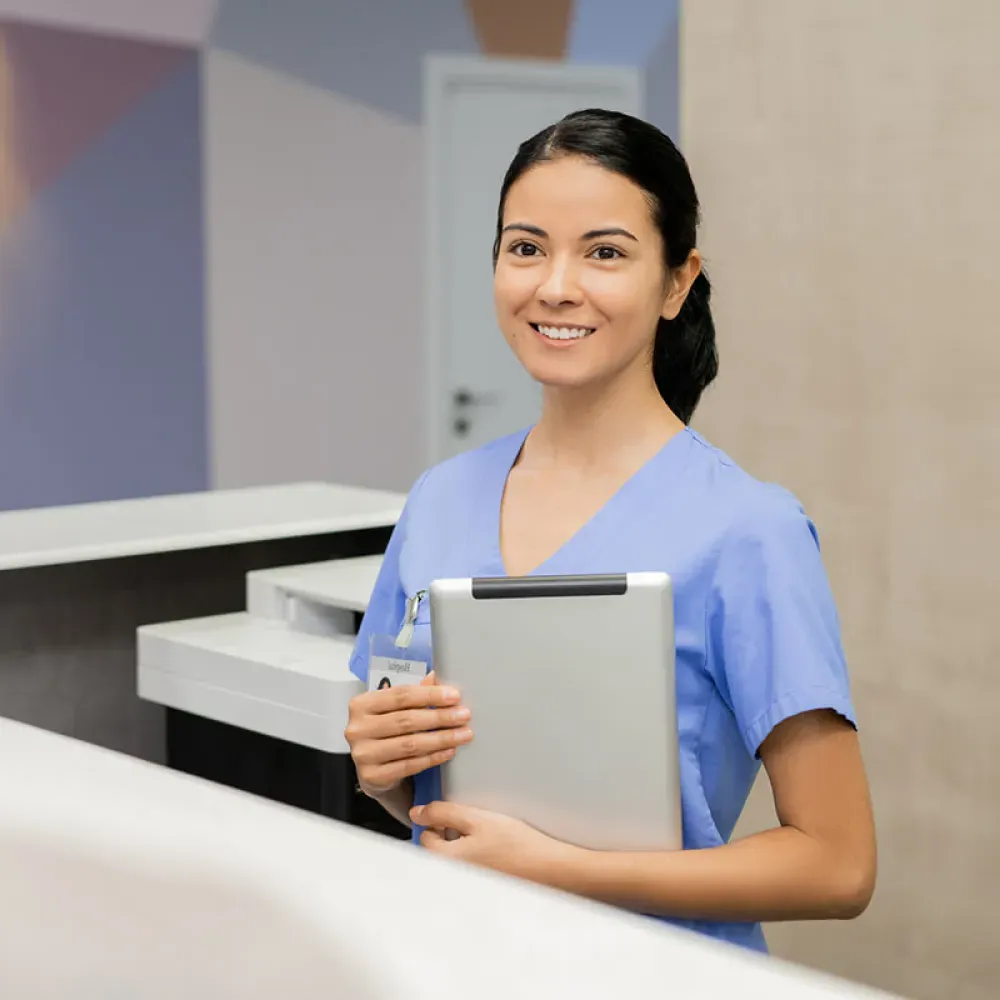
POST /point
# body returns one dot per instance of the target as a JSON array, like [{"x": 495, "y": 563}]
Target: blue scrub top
[{"x": 757, "y": 632}]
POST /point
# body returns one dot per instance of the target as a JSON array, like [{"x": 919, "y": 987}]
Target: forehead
[{"x": 574, "y": 193}]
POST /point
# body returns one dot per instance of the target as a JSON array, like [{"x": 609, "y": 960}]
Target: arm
[
  {"x": 393, "y": 791},
  {"x": 818, "y": 864},
  {"x": 397, "y": 802}
]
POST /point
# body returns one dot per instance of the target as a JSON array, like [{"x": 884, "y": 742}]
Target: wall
[
  {"x": 102, "y": 390},
  {"x": 847, "y": 156}
]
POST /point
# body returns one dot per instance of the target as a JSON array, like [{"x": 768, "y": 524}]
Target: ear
[{"x": 680, "y": 281}]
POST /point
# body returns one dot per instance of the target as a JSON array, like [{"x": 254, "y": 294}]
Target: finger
[
  {"x": 430, "y": 679},
  {"x": 399, "y": 699},
  {"x": 390, "y": 775},
  {"x": 398, "y": 748},
  {"x": 445, "y": 816},
  {"x": 417, "y": 720},
  {"x": 433, "y": 840}
]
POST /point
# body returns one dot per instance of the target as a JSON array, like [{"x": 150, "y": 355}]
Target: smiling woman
[{"x": 600, "y": 292}]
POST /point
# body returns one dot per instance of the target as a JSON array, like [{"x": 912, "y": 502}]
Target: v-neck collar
[{"x": 494, "y": 510}]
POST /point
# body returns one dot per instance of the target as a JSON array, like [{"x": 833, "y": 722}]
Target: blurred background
[
  {"x": 212, "y": 243},
  {"x": 211, "y": 230}
]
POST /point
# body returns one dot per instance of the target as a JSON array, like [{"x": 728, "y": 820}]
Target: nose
[{"x": 559, "y": 286}]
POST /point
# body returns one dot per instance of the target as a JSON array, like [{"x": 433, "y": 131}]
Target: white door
[{"x": 477, "y": 111}]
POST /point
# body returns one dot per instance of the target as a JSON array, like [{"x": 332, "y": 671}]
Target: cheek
[
  {"x": 625, "y": 299},
  {"x": 512, "y": 291}
]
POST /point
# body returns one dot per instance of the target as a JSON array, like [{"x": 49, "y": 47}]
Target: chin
[
  {"x": 559, "y": 369},
  {"x": 546, "y": 377}
]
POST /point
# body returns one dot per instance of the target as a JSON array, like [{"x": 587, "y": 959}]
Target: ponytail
[{"x": 685, "y": 357}]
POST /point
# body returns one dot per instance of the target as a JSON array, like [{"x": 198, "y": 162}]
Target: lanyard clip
[{"x": 405, "y": 636}]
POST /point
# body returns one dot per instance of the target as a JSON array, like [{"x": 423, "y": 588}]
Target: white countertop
[
  {"x": 392, "y": 921},
  {"x": 80, "y": 533}
]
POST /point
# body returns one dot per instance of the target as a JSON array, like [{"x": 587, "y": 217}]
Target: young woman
[{"x": 601, "y": 294}]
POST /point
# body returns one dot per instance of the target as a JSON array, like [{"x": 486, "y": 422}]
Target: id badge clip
[{"x": 394, "y": 660}]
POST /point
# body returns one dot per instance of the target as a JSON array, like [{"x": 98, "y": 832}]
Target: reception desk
[
  {"x": 125, "y": 879},
  {"x": 76, "y": 582}
]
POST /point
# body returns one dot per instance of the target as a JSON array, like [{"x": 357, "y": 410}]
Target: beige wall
[{"x": 848, "y": 158}]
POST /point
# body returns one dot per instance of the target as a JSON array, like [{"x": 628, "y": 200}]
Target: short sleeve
[
  {"x": 773, "y": 627},
  {"x": 387, "y": 604}
]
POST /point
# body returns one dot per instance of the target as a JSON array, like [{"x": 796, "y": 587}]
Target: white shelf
[
  {"x": 319, "y": 598},
  {"x": 339, "y": 583},
  {"x": 55, "y": 535},
  {"x": 254, "y": 673}
]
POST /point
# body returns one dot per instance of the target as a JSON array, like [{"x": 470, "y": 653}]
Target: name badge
[{"x": 393, "y": 671}]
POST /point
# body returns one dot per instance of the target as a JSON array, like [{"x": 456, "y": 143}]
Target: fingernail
[
  {"x": 464, "y": 735},
  {"x": 449, "y": 693},
  {"x": 460, "y": 714},
  {"x": 415, "y": 812}
]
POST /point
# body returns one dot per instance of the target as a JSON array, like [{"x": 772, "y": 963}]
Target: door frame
[{"x": 440, "y": 73}]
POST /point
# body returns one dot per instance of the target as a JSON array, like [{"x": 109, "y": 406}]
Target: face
[{"x": 580, "y": 281}]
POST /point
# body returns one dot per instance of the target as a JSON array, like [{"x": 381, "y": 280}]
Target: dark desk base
[
  {"x": 67, "y": 632},
  {"x": 299, "y": 776}
]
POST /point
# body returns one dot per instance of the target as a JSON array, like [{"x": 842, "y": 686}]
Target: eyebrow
[{"x": 592, "y": 234}]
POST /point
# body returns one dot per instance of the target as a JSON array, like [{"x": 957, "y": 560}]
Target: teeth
[{"x": 563, "y": 333}]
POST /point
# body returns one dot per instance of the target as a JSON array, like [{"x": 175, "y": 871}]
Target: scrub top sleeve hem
[
  {"x": 796, "y": 703},
  {"x": 358, "y": 665}
]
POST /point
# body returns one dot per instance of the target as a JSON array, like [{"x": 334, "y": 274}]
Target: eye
[
  {"x": 606, "y": 253},
  {"x": 524, "y": 248}
]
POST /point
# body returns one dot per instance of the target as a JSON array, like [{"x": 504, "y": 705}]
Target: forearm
[
  {"x": 397, "y": 802},
  {"x": 781, "y": 874}
]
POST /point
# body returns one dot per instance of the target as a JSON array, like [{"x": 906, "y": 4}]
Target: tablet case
[{"x": 571, "y": 685}]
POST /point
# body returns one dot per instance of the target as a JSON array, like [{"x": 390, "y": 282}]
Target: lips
[{"x": 562, "y": 332}]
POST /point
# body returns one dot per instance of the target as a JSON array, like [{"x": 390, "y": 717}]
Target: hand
[
  {"x": 401, "y": 731},
  {"x": 490, "y": 840}
]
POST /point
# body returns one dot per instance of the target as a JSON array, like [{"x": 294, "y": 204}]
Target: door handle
[{"x": 464, "y": 398}]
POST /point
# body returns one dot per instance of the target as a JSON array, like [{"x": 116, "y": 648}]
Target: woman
[{"x": 601, "y": 294}]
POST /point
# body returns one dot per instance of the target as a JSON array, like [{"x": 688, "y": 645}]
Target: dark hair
[{"x": 685, "y": 359}]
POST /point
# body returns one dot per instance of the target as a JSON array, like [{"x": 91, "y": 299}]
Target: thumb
[{"x": 429, "y": 680}]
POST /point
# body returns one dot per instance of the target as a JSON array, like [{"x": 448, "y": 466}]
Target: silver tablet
[{"x": 570, "y": 680}]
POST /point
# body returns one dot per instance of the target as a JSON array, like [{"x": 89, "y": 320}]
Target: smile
[{"x": 562, "y": 332}]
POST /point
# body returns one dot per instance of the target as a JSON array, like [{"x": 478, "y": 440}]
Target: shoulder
[
  {"x": 745, "y": 511},
  {"x": 463, "y": 474},
  {"x": 450, "y": 513}
]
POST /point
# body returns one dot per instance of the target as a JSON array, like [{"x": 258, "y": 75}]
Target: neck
[{"x": 606, "y": 426}]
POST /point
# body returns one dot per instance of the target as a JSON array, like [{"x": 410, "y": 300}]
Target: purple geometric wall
[{"x": 102, "y": 377}]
